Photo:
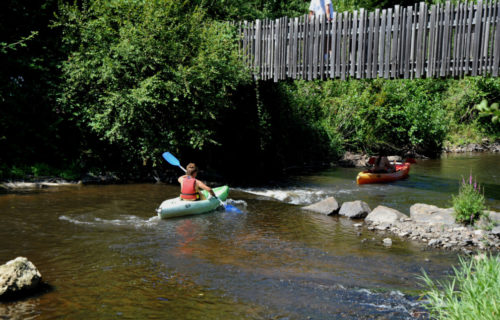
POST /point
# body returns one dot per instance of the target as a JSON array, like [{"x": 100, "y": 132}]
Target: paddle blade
[
  {"x": 171, "y": 159},
  {"x": 230, "y": 208}
]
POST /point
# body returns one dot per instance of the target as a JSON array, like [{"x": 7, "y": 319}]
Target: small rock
[
  {"x": 358, "y": 225},
  {"x": 382, "y": 227},
  {"x": 479, "y": 233},
  {"x": 364, "y": 240},
  {"x": 433, "y": 242},
  {"x": 387, "y": 242}
]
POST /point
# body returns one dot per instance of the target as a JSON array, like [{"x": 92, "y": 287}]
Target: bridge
[{"x": 444, "y": 40}]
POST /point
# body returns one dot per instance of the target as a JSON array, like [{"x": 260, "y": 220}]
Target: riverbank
[
  {"x": 434, "y": 226},
  {"x": 484, "y": 146}
]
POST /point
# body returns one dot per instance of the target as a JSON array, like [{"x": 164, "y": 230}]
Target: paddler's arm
[{"x": 205, "y": 187}]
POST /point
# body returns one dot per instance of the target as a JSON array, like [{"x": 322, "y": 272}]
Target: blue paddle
[{"x": 170, "y": 158}]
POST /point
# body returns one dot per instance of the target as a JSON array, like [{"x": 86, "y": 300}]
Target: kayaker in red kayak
[
  {"x": 190, "y": 186},
  {"x": 383, "y": 165}
]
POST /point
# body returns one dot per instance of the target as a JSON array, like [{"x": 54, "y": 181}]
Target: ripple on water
[{"x": 122, "y": 221}]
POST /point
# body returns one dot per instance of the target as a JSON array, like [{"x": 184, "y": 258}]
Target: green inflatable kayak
[{"x": 176, "y": 207}]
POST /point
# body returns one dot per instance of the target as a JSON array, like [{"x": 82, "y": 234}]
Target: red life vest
[{"x": 188, "y": 191}]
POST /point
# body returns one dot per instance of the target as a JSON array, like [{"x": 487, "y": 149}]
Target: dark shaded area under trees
[{"x": 107, "y": 86}]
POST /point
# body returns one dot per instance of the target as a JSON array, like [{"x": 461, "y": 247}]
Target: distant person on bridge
[{"x": 321, "y": 7}]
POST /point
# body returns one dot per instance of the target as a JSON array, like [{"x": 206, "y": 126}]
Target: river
[{"x": 107, "y": 256}]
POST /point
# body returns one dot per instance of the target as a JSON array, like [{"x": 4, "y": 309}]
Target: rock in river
[
  {"x": 327, "y": 206},
  {"x": 17, "y": 277},
  {"x": 429, "y": 214},
  {"x": 387, "y": 242},
  {"x": 496, "y": 231},
  {"x": 384, "y": 215},
  {"x": 355, "y": 209}
]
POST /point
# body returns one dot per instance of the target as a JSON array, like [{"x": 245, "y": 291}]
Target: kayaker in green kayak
[{"x": 190, "y": 186}]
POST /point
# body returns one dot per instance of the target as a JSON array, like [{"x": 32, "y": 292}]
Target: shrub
[
  {"x": 472, "y": 293},
  {"x": 469, "y": 203}
]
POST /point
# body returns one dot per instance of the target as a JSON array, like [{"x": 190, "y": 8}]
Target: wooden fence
[{"x": 449, "y": 40}]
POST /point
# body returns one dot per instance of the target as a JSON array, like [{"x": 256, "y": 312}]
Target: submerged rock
[
  {"x": 18, "y": 277},
  {"x": 326, "y": 207},
  {"x": 384, "y": 216},
  {"x": 354, "y": 209}
]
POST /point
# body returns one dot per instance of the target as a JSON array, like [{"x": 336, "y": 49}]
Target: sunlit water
[{"x": 107, "y": 256}]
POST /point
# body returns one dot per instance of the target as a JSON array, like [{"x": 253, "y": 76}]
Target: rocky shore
[
  {"x": 428, "y": 224},
  {"x": 46, "y": 182},
  {"x": 350, "y": 159},
  {"x": 484, "y": 146}
]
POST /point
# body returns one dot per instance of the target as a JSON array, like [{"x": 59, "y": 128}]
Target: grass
[{"x": 473, "y": 292}]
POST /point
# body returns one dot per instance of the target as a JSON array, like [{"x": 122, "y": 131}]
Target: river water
[{"x": 106, "y": 255}]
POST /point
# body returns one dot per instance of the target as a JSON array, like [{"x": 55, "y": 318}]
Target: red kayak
[{"x": 402, "y": 171}]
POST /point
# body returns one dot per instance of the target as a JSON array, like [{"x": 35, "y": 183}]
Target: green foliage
[
  {"x": 472, "y": 293},
  {"x": 489, "y": 111},
  {"x": 370, "y": 115},
  {"x": 148, "y": 76},
  {"x": 238, "y": 10},
  {"x": 469, "y": 203},
  {"x": 112, "y": 84},
  {"x": 21, "y": 43}
]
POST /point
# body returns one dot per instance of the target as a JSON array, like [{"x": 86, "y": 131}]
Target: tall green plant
[
  {"x": 472, "y": 293},
  {"x": 469, "y": 203}
]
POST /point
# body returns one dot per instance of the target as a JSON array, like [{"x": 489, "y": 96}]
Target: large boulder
[
  {"x": 17, "y": 277},
  {"x": 488, "y": 220},
  {"x": 383, "y": 215},
  {"x": 494, "y": 217},
  {"x": 496, "y": 231},
  {"x": 327, "y": 206},
  {"x": 355, "y": 209},
  {"x": 429, "y": 214},
  {"x": 354, "y": 160}
]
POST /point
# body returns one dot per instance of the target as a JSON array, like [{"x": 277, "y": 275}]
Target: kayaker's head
[{"x": 191, "y": 170}]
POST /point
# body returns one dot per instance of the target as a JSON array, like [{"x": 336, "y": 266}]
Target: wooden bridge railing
[{"x": 413, "y": 42}]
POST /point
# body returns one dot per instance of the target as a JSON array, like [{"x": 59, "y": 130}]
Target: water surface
[{"x": 107, "y": 256}]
